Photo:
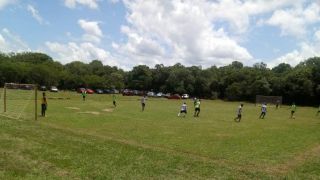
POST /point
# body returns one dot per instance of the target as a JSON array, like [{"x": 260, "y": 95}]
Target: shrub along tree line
[{"x": 235, "y": 82}]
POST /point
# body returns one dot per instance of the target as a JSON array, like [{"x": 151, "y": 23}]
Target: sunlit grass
[{"x": 92, "y": 139}]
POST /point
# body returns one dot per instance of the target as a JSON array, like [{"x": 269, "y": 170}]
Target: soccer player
[
  {"x": 197, "y": 108},
  {"x": 277, "y": 104},
  {"x": 84, "y": 94},
  {"x": 293, "y": 110},
  {"x": 194, "y": 101},
  {"x": 44, "y": 105},
  {"x": 263, "y": 111},
  {"x": 183, "y": 109},
  {"x": 143, "y": 102},
  {"x": 114, "y": 100},
  {"x": 239, "y": 113}
]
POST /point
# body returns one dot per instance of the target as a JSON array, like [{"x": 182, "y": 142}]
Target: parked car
[
  {"x": 127, "y": 92},
  {"x": 175, "y": 96},
  {"x": 90, "y": 91},
  {"x": 135, "y": 92},
  {"x": 151, "y": 94},
  {"x": 99, "y": 91},
  {"x": 54, "y": 89},
  {"x": 80, "y": 90},
  {"x": 106, "y": 91},
  {"x": 167, "y": 95},
  {"x": 26, "y": 87},
  {"x": 159, "y": 94},
  {"x": 43, "y": 88},
  {"x": 185, "y": 96},
  {"x": 13, "y": 86},
  {"x": 114, "y": 91}
]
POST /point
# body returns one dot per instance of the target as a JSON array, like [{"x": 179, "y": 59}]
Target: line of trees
[{"x": 235, "y": 82}]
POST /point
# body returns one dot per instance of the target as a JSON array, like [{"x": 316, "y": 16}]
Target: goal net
[
  {"x": 269, "y": 100},
  {"x": 19, "y": 101}
]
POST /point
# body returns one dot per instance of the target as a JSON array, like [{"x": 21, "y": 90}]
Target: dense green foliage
[{"x": 233, "y": 82}]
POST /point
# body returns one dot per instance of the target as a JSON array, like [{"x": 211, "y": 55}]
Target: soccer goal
[
  {"x": 275, "y": 100},
  {"x": 19, "y": 101}
]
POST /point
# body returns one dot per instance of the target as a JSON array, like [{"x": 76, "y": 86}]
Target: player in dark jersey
[{"x": 44, "y": 105}]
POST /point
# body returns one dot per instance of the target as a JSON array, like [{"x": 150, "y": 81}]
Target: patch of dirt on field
[
  {"x": 89, "y": 112},
  {"x": 107, "y": 110},
  {"x": 73, "y": 108}
]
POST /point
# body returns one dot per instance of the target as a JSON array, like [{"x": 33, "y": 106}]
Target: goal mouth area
[
  {"x": 274, "y": 100},
  {"x": 18, "y": 101}
]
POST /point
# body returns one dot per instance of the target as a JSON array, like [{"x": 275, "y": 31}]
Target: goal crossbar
[{"x": 269, "y": 99}]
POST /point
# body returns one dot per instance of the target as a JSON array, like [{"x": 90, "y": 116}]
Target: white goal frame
[
  {"x": 269, "y": 99},
  {"x": 33, "y": 87}
]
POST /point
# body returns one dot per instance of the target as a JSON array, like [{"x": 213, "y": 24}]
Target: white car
[
  {"x": 185, "y": 96},
  {"x": 160, "y": 94},
  {"x": 150, "y": 94},
  {"x": 54, "y": 89}
]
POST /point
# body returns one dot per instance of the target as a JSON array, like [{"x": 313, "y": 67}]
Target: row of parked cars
[
  {"x": 128, "y": 92},
  {"x": 98, "y": 91},
  {"x": 51, "y": 89},
  {"x": 125, "y": 92}
]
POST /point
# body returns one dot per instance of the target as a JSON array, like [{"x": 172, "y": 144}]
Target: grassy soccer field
[{"x": 92, "y": 140}]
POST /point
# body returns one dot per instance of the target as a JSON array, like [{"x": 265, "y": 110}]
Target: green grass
[{"x": 156, "y": 144}]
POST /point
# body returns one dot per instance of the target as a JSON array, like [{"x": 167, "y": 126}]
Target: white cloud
[
  {"x": 35, "y": 14},
  {"x": 85, "y": 52},
  {"x": 9, "y": 42},
  {"x": 93, "y": 4},
  {"x": 4, "y": 3},
  {"x": 2, "y": 41},
  {"x": 176, "y": 31},
  {"x": 239, "y": 13},
  {"x": 195, "y": 32},
  {"x": 317, "y": 35},
  {"x": 92, "y": 30},
  {"x": 305, "y": 51},
  {"x": 295, "y": 21}
]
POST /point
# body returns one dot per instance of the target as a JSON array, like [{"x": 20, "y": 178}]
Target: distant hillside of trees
[{"x": 235, "y": 82}]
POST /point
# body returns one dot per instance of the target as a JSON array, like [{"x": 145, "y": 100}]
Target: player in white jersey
[
  {"x": 183, "y": 109},
  {"x": 263, "y": 111},
  {"x": 143, "y": 102},
  {"x": 239, "y": 113}
]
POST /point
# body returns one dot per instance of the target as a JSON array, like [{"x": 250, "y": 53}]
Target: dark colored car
[
  {"x": 99, "y": 91},
  {"x": 26, "y": 87},
  {"x": 43, "y": 88},
  {"x": 175, "y": 96},
  {"x": 107, "y": 91}
]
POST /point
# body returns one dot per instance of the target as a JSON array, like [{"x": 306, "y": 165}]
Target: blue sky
[{"x": 126, "y": 33}]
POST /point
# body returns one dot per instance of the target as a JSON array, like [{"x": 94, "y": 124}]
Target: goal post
[
  {"x": 275, "y": 100},
  {"x": 19, "y": 101}
]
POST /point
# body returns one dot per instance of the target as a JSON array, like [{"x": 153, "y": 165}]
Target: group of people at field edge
[
  {"x": 183, "y": 109},
  {"x": 196, "y": 103}
]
